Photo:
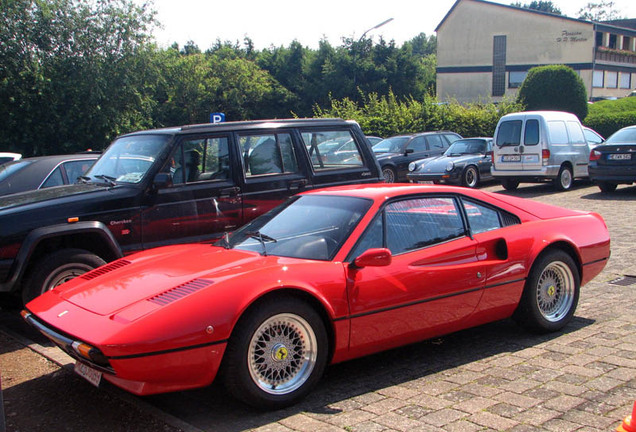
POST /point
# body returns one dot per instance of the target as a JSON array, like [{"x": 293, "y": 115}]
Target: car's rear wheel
[
  {"x": 551, "y": 293},
  {"x": 56, "y": 268},
  {"x": 470, "y": 178},
  {"x": 277, "y": 353},
  {"x": 509, "y": 184},
  {"x": 607, "y": 187},
  {"x": 564, "y": 180},
  {"x": 389, "y": 175}
]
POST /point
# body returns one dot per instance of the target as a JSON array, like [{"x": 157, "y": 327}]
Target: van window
[
  {"x": 576, "y": 133},
  {"x": 268, "y": 154},
  {"x": 558, "y": 132},
  {"x": 509, "y": 133},
  {"x": 332, "y": 149},
  {"x": 531, "y": 134}
]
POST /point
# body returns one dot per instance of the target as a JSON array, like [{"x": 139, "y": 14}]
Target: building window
[
  {"x": 626, "y": 80},
  {"x": 499, "y": 66},
  {"x": 516, "y": 78},
  {"x": 626, "y": 43},
  {"x": 597, "y": 79},
  {"x": 599, "y": 39},
  {"x": 612, "y": 41},
  {"x": 611, "y": 79}
]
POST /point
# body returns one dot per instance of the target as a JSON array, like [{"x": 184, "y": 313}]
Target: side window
[
  {"x": 558, "y": 133},
  {"x": 576, "y": 133},
  {"x": 451, "y": 138},
  {"x": 372, "y": 238},
  {"x": 418, "y": 144},
  {"x": 332, "y": 149},
  {"x": 74, "y": 169},
  {"x": 435, "y": 142},
  {"x": 509, "y": 133},
  {"x": 481, "y": 218},
  {"x": 531, "y": 134},
  {"x": 201, "y": 159},
  {"x": 54, "y": 179},
  {"x": 268, "y": 154}
]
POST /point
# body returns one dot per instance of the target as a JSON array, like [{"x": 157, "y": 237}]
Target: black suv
[
  {"x": 166, "y": 186},
  {"x": 396, "y": 153}
]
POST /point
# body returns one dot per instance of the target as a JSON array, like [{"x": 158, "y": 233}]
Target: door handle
[
  {"x": 226, "y": 192},
  {"x": 297, "y": 184}
]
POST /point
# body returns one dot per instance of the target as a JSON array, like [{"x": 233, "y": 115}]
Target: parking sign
[{"x": 217, "y": 117}]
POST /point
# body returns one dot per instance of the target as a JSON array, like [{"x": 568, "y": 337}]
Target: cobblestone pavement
[{"x": 493, "y": 378}]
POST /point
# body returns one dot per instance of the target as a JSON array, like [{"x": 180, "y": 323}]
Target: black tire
[
  {"x": 389, "y": 175},
  {"x": 470, "y": 177},
  {"x": 564, "y": 180},
  {"x": 56, "y": 268},
  {"x": 551, "y": 293},
  {"x": 276, "y": 355},
  {"x": 509, "y": 184},
  {"x": 607, "y": 187}
]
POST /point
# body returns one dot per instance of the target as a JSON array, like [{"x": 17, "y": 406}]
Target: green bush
[
  {"x": 606, "y": 117},
  {"x": 554, "y": 87}
]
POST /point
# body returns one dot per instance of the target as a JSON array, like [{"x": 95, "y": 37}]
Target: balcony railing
[{"x": 615, "y": 56}]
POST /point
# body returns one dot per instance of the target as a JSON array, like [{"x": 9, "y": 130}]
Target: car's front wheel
[
  {"x": 470, "y": 178},
  {"x": 277, "y": 353},
  {"x": 56, "y": 268},
  {"x": 551, "y": 293}
]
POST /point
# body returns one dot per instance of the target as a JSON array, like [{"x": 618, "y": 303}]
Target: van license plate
[
  {"x": 511, "y": 158},
  {"x": 89, "y": 374},
  {"x": 619, "y": 156}
]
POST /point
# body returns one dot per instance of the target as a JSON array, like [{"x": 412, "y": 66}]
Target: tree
[
  {"x": 542, "y": 6},
  {"x": 601, "y": 11},
  {"x": 554, "y": 87}
]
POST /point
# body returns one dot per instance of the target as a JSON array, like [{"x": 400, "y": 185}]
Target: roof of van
[{"x": 548, "y": 115}]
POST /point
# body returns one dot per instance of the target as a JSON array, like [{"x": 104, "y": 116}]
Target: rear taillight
[
  {"x": 595, "y": 155},
  {"x": 545, "y": 156}
]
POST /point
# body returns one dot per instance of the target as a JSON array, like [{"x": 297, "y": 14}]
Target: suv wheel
[
  {"x": 56, "y": 268},
  {"x": 564, "y": 180}
]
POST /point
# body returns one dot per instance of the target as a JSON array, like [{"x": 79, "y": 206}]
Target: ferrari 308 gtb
[{"x": 328, "y": 276}]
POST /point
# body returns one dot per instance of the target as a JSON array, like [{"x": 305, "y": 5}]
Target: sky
[{"x": 279, "y": 22}]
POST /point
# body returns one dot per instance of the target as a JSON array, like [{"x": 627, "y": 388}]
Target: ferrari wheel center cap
[
  {"x": 551, "y": 290},
  {"x": 279, "y": 352}
]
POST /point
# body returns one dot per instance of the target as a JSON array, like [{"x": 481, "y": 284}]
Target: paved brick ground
[{"x": 493, "y": 378}]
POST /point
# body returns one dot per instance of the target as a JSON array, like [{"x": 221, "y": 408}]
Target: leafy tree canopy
[{"x": 541, "y": 5}]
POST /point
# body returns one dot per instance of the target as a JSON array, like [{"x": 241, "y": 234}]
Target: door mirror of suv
[{"x": 162, "y": 181}]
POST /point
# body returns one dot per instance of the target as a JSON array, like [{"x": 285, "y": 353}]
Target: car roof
[
  {"x": 247, "y": 125},
  {"x": 384, "y": 191},
  {"x": 548, "y": 115}
]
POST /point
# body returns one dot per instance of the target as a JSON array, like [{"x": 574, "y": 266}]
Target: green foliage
[
  {"x": 543, "y": 6},
  {"x": 554, "y": 87},
  {"x": 387, "y": 116},
  {"x": 599, "y": 11},
  {"x": 606, "y": 117}
]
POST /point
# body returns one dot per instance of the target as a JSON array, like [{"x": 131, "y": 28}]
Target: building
[{"x": 485, "y": 49}]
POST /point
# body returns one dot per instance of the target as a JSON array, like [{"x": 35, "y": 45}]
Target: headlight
[
  {"x": 412, "y": 166},
  {"x": 450, "y": 166}
]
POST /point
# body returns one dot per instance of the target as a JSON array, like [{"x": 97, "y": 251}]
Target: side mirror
[
  {"x": 379, "y": 257},
  {"x": 408, "y": 151},
  {"x": 162, "y": 181}
]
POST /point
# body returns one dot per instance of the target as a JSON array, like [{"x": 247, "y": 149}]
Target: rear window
[
  {"x": 8, "y": 169},
  {"x": 509, "y": 133},
  {"x": 623, "y": 136},
  {"x": 531, "y": 134}
]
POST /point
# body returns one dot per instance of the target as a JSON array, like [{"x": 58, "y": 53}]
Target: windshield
[
  {"x": 466, "y": 146},
  {"x": 128, "y": 159},
  {"x": 627, "y": 135},
  {"x": 391, "y": 145},
  {"x": 307, "y": 227}
]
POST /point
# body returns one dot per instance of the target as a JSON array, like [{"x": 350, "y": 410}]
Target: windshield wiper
[
  {"x": 108, "y": 179},
  {"x": 225, "y": 240},
  {"x": 84, "y": 179},
  {"x": 262, "y": 238}
]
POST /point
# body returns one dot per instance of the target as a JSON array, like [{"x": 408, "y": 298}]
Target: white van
[{"x": 537, "y": 146}]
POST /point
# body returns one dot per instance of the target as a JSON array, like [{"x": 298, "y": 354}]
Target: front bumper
[{"x": 447, "y": 177}]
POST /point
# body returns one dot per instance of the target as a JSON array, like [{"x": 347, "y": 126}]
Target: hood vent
[
  {"x": 105, "y": 269},
  {"x": 180, "y": 291}
]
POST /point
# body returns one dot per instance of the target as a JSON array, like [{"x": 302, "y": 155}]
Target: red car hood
[{"x": 160, "y": 275}]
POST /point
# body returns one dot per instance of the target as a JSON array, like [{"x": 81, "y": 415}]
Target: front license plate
[
  {"x": 89, "y": 374},
  {"x": 619, "y": 156},
  {"x": 511, "y": 158}
]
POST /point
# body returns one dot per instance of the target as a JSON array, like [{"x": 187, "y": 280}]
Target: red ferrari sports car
[{"x": 330, "y": 275}]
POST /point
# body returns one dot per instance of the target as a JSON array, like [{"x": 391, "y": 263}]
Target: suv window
[
  {"x": 451, "y": 138},
  {"x": 435, "y": 142},
  {"x": 418, "y": 144},
  {"x": 268, "y": 154},
  {"x": 509, "y": 133},
  {"x": 332, "y": 149},
  {"x": 201, "y": 159}
]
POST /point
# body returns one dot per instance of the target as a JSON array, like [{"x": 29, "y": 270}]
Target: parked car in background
[
  {"x": 8, "y": 157},
  {"x": 166, "y": 186},
  {"x": 43, "y": 172},
  {"x": 373, "y": 140},
  {"x": 614, "y": 162},
  {"x": 467, "y": 162},
  {"x": 539, "y": 146},
  {"x": 329, "y": 276},
  {"x": 592, "y": 137},
  {"x": 396, "y": 153}
]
